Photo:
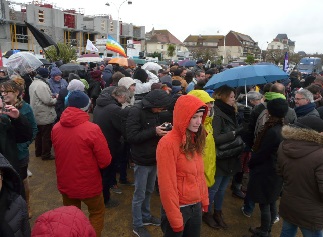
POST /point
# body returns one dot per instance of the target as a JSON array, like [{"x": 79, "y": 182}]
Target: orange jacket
[{"x": 181, "y": 181}]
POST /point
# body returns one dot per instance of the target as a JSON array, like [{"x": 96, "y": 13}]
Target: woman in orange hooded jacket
[{"x": 182, "y": 185}]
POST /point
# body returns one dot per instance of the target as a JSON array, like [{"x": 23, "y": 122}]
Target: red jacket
[
  {"x": 81, "y": 150},
  {"x": 181, "y": 181},
  {"x": 67, "y": 221}
]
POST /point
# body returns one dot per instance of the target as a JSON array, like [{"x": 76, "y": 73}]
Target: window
[
  {"x": 41, "y": 17},
  {"x": 162, "y": 46},
  {"x": 103, "y": 25}
]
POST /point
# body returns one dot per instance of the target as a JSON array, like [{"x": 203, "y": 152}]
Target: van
[{"x": 309, "y": 65}]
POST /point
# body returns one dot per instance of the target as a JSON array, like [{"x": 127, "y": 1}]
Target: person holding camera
[{"x": 182, "y": 184}]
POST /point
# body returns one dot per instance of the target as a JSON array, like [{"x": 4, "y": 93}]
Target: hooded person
[
  {"x": 81, "y": 151},
  {"x": 14, "y": 220},
  {"x": 66, "y": 221},
  {"x": 107, "y": 75},
  {"x": 209, "y": 154},
  {"x": 96, "y": 84},
  {"x": 182, "y": 184},
  {"x": 56, "y": 82},
  {"x": 130, "y": 84},
  {"x": 144, "y": 79},
  {"x": 301, "y": 166}
]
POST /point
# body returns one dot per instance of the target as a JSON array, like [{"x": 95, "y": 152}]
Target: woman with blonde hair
[
  {"x": 12, "y": 92},
  {"x": 182, "y": 184}
]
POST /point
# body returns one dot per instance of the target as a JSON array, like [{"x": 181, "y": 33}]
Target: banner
[
  {"x": 114, "y": 46},
  {"x": 285, "y": 66}
]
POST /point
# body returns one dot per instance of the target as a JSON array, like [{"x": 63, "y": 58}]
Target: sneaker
[
  {"x": 152, "y": 221},
  {"x": 245, "y": 213},
  {"x": 111, "y": 203},
  {"x": 29, "y": 173},
  {"x": 127, "y": 182},
  {"x": 276, "y": 219},
  {"x": 141, "y": 232},
  {"x": 116, "y": 189}
]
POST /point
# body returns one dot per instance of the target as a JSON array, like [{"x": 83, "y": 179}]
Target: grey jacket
[{"x": 41, "y": 102}]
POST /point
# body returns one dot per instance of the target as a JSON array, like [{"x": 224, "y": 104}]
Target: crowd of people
[{"x": 187, "y": 143}]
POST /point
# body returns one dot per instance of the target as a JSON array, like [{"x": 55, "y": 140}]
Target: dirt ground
[{"x": 118, "y": 220}]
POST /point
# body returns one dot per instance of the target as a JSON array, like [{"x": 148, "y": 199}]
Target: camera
[{"x": 167, "y": 126}]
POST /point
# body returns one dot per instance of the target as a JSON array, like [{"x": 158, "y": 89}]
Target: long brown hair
[
  {"x": 15, "y": 84},
  {"x": 271, "y": 122},
  {"x": 195, "y": 142}
]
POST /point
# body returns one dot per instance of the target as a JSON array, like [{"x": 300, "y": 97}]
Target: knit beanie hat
[
  {"x": 96, "y": 74},
  {"x": 72, "y": 76},
  {"x": 166, "y": 79},
  {"x": 141, "y": 75},
  {"x": 55, "y": 72},
  {"x": 126, "y": 81},
  {"x": 310, "y": 122},
  {"x": 277, "y": 107},
  {"x": 156, "y": 86},
  {"x": 75, "y": 85},
  {"x": 43, "y": 72},
  {"x": 109, "y": 66},
  {"x": 79, "y": 99}
]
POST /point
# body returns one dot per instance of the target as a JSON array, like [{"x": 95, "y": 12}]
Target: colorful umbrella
[{"x": 124, "y": 62}]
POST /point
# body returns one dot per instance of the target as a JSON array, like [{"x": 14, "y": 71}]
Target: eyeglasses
[
  {"x": 299, "y": 99},
  {"x": 6, "y": 92}
]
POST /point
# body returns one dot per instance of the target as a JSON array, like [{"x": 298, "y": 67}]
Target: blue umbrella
[
  {"x": 246, "y": 75},
  {"x": 190, "y": 63}
]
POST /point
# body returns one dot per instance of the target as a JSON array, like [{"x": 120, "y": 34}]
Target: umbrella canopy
[
  {"x": 71, "y": 67},
  {"x": 151, "y": 66},
  {"x": 124, "y": 62},
  {"x": 10, "y": 52},
  {"x": 45, "y": 61},
  {"x": 163, "y": 63},
  {"x": 246, "y": 75},
  {"x": 190, "y": 63},
  {"x": 182, "y": 62},
  {"x": 22, "y": 63},
  {"x": 139, "y": 61},
  {"x": 89, "y": 58}
]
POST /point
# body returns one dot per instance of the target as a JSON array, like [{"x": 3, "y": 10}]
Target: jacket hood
[
  {"x": 72, "y": 117},
  {"x": 202, "y": 95},
  {"x": 156, "y": 99},
  {"x": 126, "y": 81},
  {"x": 105, "y": 98},
  {"x": 10, "y": 176},
  {"x": 185, "y": 107},
  {"x": 309, "y": 141},
  {"x": 55, "y": 72}
]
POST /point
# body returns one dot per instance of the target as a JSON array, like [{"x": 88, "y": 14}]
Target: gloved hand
[
  {"x": 239, "y": 131},
  {"x": 246, "y": 112}
]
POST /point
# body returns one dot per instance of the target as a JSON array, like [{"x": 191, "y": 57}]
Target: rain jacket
[
  {"x": 181, "y": 181},
  {"x": 209, "y": 155},
  {"x": 301, "y": 165},
  {"x": 81, "y": 150},
  {"x": 13, "y": 209},
  {"x": 66, "y": 221}
]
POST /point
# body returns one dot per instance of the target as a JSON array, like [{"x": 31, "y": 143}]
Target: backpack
[{"x": 261, "y": 120}]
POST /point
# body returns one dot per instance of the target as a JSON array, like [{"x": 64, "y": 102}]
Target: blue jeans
[
  {"x": 290, "y": 230},
  {"x": 217, "y": 191},
  {"x": 145, "y": 177},
  {"x": 248, "y": 205}
]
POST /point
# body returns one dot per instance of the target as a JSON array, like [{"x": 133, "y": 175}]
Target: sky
[{"x": 261, "y": 20}]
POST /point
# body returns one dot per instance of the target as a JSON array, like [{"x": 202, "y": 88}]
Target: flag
[
  {"x": 285, "y": 66},
  {"x": 43, "y": 40},
  {"x": 90, "y": 46},
  {"x": 115, "y": 46}
]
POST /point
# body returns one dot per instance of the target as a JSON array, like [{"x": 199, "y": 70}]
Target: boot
[
  {"x": 27, "y": 191},
  {"x": 218, "y": 217},
  {"x": 256, "y": 231},
  {"x": 208, "y": 219},
  {"x": 237, "y": 191}
]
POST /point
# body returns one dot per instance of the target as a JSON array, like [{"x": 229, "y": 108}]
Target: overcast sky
[{"x": 261, "y": 20}]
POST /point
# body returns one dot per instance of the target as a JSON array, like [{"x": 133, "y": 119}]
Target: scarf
[
  {"x": 274, "y": 95},
  {"x": 227, "y": 109},
  {"x": 304, "y": 109}
]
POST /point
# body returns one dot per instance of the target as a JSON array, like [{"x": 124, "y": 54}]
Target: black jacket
[
  {"x": 13, "y": 209},
  {"x": 264, "y": 184},
  {"x": 107, "y": 114},
  {"x": 13, "y": 131},
  {"x": 60, "y": 104},
  {"x": 141, "y": 127},
  {"x": 223, "y": 128}
]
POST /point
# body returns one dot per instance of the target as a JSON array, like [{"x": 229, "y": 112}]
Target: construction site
[{"x": 69, "y": 26}]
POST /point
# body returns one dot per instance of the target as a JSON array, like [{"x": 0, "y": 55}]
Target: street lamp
[{"x": 118, "y": 9}]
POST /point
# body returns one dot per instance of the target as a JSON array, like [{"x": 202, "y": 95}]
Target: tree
[
  {"x": 276, "y": 56},
  {"x": 154, "y": 55},
  {"x": 250, "y": 59},
  {"x": 170, "y": 50},
  {"x": 204, "y": 53},
  {"x": 66, "y": 53}
]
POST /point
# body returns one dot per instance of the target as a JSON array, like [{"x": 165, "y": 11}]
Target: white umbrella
[
  {"x": 151, "y": 66},
  {"x": 22, "y": 63},
  {"x": 89, "y": 60},
  {"x": 4, "y": 61}
]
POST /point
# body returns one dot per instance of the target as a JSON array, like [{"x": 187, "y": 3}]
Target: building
[
  {"x": 236, "y": 47},
  {"x": 70, "y": 26},
  {"x": 159, "y": 40},
  {"x": 282, "y": 42}
]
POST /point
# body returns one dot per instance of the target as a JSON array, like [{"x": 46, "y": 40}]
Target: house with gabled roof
[
  {"x": 282, "y": 42},
  {"x": 158, "y": 41}
]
